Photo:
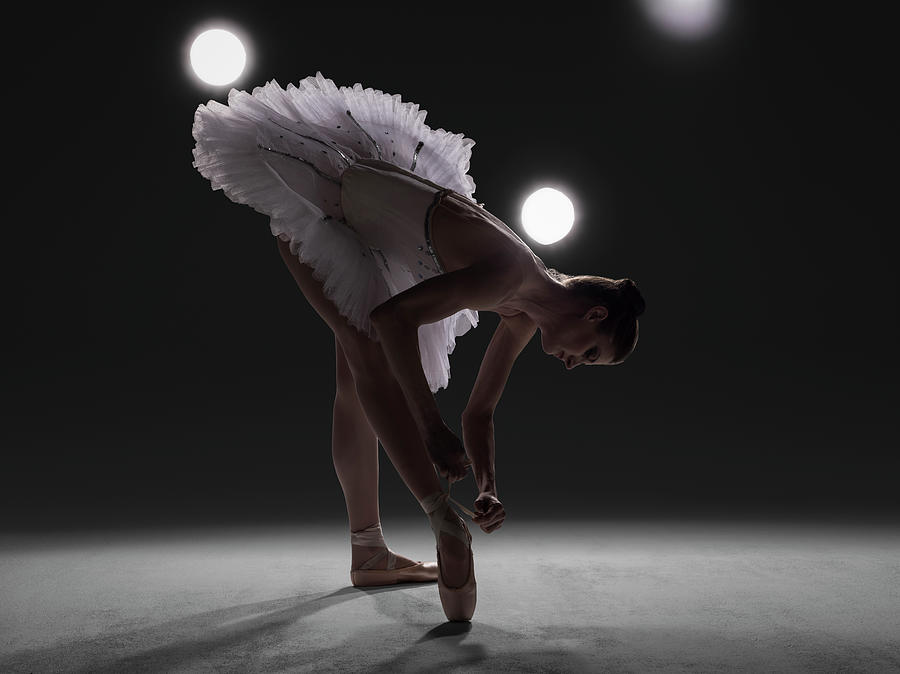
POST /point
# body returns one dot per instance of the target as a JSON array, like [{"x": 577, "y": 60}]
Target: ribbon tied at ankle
[
  {"x": 434, "y": 501},
  {"x": 373, "y": 537}
]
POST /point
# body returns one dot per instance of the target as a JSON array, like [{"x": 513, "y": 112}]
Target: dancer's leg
[
  {"x": 378, "y": 391},
  {"x": 384, "y": 405},
  {"x": 386, "y": 408},
  {"x": 354, "y": 448}
]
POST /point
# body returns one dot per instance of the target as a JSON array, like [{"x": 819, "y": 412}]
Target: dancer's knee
[
  {"x": 345, "y": 384},
  {"x": 365, "y": 359}
]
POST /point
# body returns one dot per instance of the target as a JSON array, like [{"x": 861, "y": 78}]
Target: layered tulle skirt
[{"x": 283, "y": 151}]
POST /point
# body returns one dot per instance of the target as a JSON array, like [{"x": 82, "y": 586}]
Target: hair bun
[{"x": 632, "y": 296}]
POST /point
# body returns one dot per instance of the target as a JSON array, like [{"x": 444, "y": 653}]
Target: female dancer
[{"x": 374, "y": 218}]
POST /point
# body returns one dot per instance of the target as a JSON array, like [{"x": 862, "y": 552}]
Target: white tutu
[{"x": 283, "y": 152}]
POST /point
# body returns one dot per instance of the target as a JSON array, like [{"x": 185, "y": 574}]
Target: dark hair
[{"x": 623, "y": 300}]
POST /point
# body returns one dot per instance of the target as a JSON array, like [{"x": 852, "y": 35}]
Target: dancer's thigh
[{"x": 364, "y": 357}]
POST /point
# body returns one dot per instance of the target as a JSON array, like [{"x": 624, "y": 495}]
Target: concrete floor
[{"x": 568, "y": 597}]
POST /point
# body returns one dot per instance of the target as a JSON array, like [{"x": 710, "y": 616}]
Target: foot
[
  {"x": 361, "y": 554},
  {"x": 454, "y": 555}
]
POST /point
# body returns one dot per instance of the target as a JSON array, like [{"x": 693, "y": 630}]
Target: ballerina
[{"x": 374, "y": 216}]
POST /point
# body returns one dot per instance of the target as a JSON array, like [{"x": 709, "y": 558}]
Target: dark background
[{"x": 162, "y": 366}]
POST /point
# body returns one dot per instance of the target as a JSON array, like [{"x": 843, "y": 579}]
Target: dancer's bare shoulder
[{"x": 464, "y": 234}]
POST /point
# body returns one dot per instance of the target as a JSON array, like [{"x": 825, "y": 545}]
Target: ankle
[
  {"x": 360, "y": 554},
  {"x": 371, "y": 536},
  {"x": 434, "y": 501}
]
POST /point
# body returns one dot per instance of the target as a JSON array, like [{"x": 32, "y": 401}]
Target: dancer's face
[{"x": 577, "y": 342}]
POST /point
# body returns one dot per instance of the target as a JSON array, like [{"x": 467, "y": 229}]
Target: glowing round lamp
[
  {"x": 547, "y": 215},
  {"x": 218, "y": 57}
]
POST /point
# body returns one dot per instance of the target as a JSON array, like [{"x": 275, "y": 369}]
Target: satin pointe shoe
[
  {"x": 366, "y": 576},
  {"x": 458, "y": 602}
]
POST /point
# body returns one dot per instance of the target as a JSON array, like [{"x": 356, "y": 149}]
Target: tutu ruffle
[{"x": 282, "y": 152}]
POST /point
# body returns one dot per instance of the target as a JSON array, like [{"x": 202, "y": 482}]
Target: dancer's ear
[{"x": 597, "y": 313}]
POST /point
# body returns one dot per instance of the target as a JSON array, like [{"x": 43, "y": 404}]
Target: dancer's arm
[
  {"x": 510, "y": 337},
  {"x": 481, "y": 286},
  {"x": 478, "y": 438}
]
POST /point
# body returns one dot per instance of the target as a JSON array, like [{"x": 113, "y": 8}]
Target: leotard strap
[{"x": 440, "y": 194}]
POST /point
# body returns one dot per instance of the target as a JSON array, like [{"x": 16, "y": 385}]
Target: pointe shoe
[
  {"x": 458, "y": 602},
  {"x": 420, "y": 572},
  {"x": 366, "y": 576}
]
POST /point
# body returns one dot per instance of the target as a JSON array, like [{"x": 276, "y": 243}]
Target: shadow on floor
[{"x": 271, "y": 636}]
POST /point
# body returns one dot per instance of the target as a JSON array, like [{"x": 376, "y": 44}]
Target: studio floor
[{"x": 552, "y": 597}]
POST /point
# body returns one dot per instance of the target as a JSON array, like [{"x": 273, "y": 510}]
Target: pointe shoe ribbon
[
  {"x": 431, "y": 503},
  {"x": 366, "y": 576},
  {"x": 461, "y": 506},
  {"x": 373, "y": 537}
]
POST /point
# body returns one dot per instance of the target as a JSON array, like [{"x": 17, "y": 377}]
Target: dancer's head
[{"x": 603, "y": 328}]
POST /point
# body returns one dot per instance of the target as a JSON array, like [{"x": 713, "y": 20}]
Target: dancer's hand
[
  {"x": 489, "y": 512},
  {"x": 447, "y": 453}
]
